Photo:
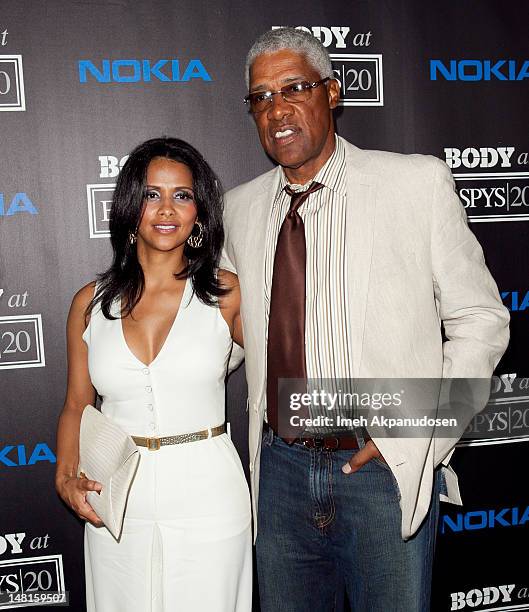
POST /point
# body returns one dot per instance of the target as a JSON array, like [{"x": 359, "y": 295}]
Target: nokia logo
[
  {"x": 14, "y": 456},
  {"x": 19, "y": 203},
  {"x": 485, "y": 519},
  {"x": 136, "y": 71},
  {"x": 515, "y": 300},
  {"x": 479, "y": 70}
]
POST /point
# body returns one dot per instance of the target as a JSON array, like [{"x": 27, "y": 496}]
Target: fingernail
[{"x": 346, "y": 469}]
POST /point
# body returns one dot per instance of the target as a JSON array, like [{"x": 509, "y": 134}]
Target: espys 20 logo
[
  {"x": 12, "y": 97},
  {"x": 21, "y": 339},
  {"x": 489, "y": 188},
  {"x": 359, "y": 75},
  {"x": 505, "y": 418},
  {"x": 37, "y": 580}
]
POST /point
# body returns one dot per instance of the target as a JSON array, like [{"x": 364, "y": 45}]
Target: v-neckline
[{"x": 176, "y": 317}]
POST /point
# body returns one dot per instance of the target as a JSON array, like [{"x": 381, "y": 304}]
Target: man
[{"x": 348, "y": 262}]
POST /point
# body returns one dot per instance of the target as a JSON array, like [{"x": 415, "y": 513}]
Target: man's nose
[{"x": 279, "y": 108}]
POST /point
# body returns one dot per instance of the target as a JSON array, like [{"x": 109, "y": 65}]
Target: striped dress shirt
[{"x": 327, "y": 330}]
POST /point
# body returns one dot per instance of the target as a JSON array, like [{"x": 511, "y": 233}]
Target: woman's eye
[
  {"x": 151, "y": 195},
  {"x": 184, "y": 195}
]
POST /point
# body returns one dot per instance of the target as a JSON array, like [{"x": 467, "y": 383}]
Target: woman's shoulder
[
  {"x": 81, "y": 301},
  {"x": 84, "y": 296}
]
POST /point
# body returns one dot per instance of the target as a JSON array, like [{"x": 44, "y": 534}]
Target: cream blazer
[{"x": 412, "y": 263}]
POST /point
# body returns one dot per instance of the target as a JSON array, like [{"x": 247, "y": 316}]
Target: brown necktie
[{"x": 286, "y": 323}]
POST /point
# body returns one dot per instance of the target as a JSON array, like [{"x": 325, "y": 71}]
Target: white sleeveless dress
[{"x": 186, "y": 540}]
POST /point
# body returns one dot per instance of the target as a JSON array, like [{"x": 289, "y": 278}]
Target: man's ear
[{"x": 333, "y": 92}]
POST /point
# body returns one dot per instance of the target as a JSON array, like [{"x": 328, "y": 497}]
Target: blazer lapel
[
  {"x": 360, "y": 226},
  {"x": 258, "y": 221}
]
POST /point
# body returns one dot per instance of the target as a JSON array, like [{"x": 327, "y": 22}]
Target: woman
[{"x": 152, "y": 337}]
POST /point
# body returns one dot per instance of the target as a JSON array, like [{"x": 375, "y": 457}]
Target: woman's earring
[
  {"x": 195, "y": 241},
  {"x": 132, "y": 238}
]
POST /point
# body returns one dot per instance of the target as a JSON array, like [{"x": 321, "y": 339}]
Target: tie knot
[{"x": 298, "y": 197}]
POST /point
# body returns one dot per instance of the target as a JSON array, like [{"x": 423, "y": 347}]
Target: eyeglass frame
[{"x": 311, "y": 86}]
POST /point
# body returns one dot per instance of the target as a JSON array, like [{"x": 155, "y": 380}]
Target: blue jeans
[{"x": 323, "y": 534}]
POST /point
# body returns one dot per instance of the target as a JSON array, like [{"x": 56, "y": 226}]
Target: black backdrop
[{"x": 82, "y": 82}]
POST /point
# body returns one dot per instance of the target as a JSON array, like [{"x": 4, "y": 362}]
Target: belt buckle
[
  {"x": 319, "y": 442},
  {"x": 153, "y": 444},
  {"x": 314, "y": 442},
  {"x": 336, "y": 442}
]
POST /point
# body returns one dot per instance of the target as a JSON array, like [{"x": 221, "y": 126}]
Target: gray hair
[{"x": 295, "y": 40}]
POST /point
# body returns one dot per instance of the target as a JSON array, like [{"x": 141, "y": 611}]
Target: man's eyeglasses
[{"x": 294, "y": 92}]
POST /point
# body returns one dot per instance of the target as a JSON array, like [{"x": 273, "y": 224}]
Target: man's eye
[
  {"x": 261, "y": 97},
  {"x": 296, "y": 87}
]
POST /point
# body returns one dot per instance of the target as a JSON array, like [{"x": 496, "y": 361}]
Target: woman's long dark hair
[{"x": 124, "y": 278}]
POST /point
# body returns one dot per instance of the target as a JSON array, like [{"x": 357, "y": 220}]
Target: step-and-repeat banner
[{"x": 84, "y": 81}]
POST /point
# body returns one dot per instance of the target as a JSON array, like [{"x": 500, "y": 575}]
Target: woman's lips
[{"x": 165, "y": 228}]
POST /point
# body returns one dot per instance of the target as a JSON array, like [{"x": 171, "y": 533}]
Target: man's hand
[{"x": 370, "y": 451}]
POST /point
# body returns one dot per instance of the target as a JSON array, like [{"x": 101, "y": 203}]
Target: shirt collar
[{"x": 331, "y": 175}]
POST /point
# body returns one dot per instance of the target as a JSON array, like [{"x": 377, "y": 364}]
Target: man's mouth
[{"x": 285, "y": 134}]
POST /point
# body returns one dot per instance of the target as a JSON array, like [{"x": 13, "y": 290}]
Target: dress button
[
  {"x": 152, "y": 425},
  {"x": 251, "y": 466},
  {"x": 145, "y": 370},
  {"x": 149, "y": 407},
  {"x": 255, "y": 408},
  {"x": 148, "y": 389}
]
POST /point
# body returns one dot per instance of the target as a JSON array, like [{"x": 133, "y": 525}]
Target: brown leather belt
[{"x": 329, "y": 443}]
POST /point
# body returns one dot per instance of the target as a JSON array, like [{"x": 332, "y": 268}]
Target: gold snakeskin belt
[{"x": 156, "y": 443}]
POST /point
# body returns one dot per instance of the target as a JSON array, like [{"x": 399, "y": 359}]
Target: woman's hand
[
  {"x": 73, "y": 490},
  {"x": 81, "y": 392}
]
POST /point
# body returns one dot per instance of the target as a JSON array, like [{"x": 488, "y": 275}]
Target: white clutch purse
[{"x": 110, "y": 456}]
